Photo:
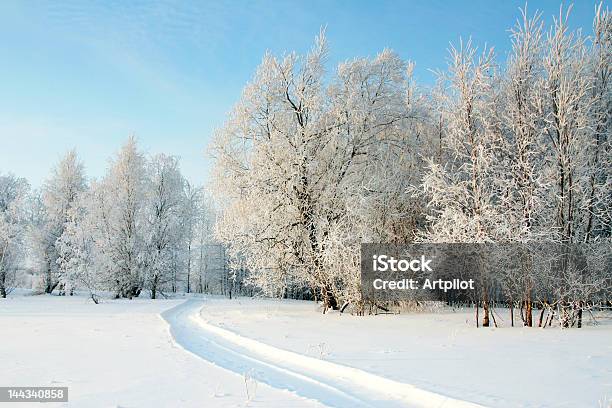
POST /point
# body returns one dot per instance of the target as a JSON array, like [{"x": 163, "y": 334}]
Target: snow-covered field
[
  {"x": 439, "y": 352},
  {"x": 115, "y": 354},
  {"x": 251, "y": 352}
]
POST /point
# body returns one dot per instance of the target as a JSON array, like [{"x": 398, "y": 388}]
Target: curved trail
[{"x": 329, "y": 383}]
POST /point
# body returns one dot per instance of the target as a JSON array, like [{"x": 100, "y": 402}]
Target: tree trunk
[
  {"x": 49, "y": 285},
  {"x": 565, "y": 315},
  {"x": 528, "y": 313},
  {"x": 2, "y": 283},
  {"x": 329, "y": 300},
  {"x": 188, "y": 280},
  {"x": 552, "y": 316},
  {"x": 154, "y": 288},
  {"x": 189, "y": 268},
  {"x": 541, "y": 317},
  {"x": 485, "y": 309}
]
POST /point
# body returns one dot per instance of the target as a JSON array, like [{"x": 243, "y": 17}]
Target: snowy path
[{"x": 330, "y": 383}]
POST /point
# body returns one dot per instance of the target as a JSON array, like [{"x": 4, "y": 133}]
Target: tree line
[
  {"x": 143, "y": 226},
  {"x": 311, "y": 163}
]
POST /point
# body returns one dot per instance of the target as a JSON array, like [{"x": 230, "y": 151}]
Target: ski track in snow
[{"x": 329, "y": 383}]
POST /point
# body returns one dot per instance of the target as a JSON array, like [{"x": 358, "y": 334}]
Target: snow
[
  {"x": 116, "y": 354},
  {"x": 438, "y": 352},
  {"x": 209, "y": 351},
  {"x": 333, "y": 384}
]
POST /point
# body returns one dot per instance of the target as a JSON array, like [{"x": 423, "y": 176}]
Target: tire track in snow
[
  {"x": 329, "y": 383},
  {"x": 189, "y": 335}
]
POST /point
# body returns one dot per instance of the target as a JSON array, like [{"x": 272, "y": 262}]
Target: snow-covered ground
[
  {"x": 441, "y": 352},
  {"x": 332, "y": 384},
  {"x": 210, "y": 352},
  {"x": 115, "y": 354}
]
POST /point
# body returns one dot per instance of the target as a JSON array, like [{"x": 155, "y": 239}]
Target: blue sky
[{"x": 87, "y": 74}]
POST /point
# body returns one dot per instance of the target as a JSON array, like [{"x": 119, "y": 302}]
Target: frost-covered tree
[
  {"x": 132, "y": 230},
  {"x": 462, "y": 190},
  {"x": 296, "y": 151},
  {"x": 521, "y": 131},
  {"x": 191, "y": 213},
  {"x": 59, "y": 192},
  {"x": 520, "y": 164},
  {"x": 383, "y": 135},
  {"x": 599, "y": 190},
  {"x": 117, "y": 216},
  {"x": 204, "y": 265},
  {"x": 525, "y": 157},
  {"x": 163, "y": 229},
  {"x": 264, "y": 154},
  {"x": 566, "y": 102},
  {"x": 81, "y": 262},
  {"x": 575, "y": 90},
  {"x": 13, "y": 194}
]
